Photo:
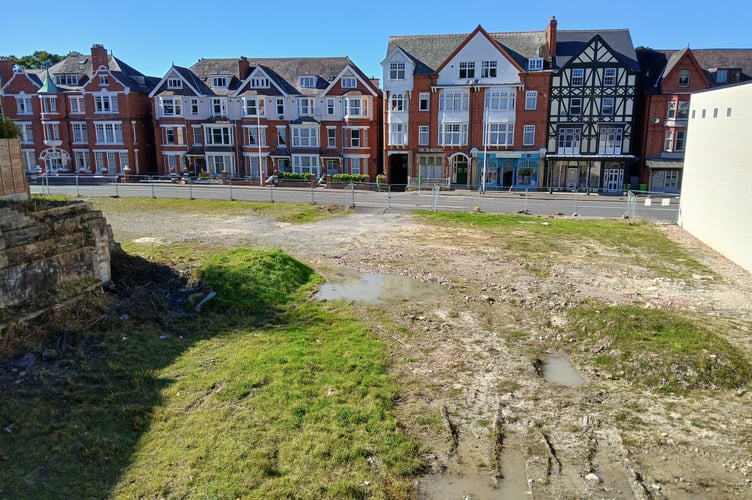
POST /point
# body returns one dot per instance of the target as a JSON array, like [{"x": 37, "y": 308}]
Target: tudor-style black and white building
[{"x": 592, "y": 111}]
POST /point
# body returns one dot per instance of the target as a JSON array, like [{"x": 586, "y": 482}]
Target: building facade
[
  {"x": 247, "y": 118},
  {"x": 592, "y": 111},
  {"x": 467, "y": 110},
  {"x": 87, "y": 114},
  {"x": 671, "y": 77}
]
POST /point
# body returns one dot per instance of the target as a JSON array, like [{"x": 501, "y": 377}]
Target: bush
[
  {"x": 348, "y": 178},
  {"x": 294, "y": 176}
]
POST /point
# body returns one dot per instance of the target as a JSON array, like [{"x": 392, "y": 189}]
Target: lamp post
[{"x": 258, "y": 139}]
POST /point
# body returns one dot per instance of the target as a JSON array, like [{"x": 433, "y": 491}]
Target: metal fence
[{"x": 377, "y": 196}]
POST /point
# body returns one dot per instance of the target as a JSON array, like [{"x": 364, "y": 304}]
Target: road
[{"x": 656, "y": 207}]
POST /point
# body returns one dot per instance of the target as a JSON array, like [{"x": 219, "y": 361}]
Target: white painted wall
[{"x": 716, "y": 194}]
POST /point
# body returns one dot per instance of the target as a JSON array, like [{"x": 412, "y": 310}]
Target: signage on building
[{"x": 430, "y": 150}]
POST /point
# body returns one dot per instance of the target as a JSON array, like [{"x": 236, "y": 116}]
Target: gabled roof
[
  {"x": 81, "y": 65},
  {"x": 570, "y": 43},
  {"x": 656, "y": 64},
  {"x": 429, "y": 52},
  {"x": 204, "y": 69}
]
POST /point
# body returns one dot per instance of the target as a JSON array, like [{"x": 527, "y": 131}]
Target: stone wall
[
  {"x": 50, "y": 254},
  {"x": 13, "y": 184}
]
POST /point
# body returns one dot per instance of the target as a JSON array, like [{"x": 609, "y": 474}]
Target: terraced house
[
  {"x": 466, "y": 110},
  {"x": 246, "y": 118},
  {"x": 671, "y": 77},
  {"x": 87, "y": 114}
]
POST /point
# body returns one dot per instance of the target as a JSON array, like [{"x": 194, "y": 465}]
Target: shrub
[
  {"x": 347, "y": 178},
  {"x": 8, "y": 129},
  {"x": 294, "y": 176}
]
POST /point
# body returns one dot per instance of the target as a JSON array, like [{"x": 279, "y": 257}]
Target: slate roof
[
  {"x": 205, "y": 68},
  {"x": 430, "y": 51},
  {"x": 570, "y": 42},
  {"x": 657, "y": 63},
  {"x": 81, "y": 65}
]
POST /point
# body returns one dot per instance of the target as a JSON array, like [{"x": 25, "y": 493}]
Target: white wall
[{"x": 716, "y": 194}]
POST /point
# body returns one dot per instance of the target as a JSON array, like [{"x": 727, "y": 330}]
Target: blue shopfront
[{"x": 503, "y": 171}]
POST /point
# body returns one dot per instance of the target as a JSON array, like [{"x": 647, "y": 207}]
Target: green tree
[
  {"x": 40, "y": 59},
  {"x": 8, "y": 129}
]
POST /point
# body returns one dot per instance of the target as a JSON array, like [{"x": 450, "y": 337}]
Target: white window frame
[
  {"x": 466, "y": 70},
  {"x": 609, "y": 77},
  {"x": 531, "y": 99},
  {"x": 217, "y": 163},
  {"x": 104, "y": 80},
  {"x": 608, "y": 106},
  {"x": 306, "y": 164},
  {"x": 252, "y": 138},
  {"x": 106, "y": 104},
  {"x": 223, "y": 138},
  {"x": 108, "y": 132},
  {"x": 171, "y": 106},
  {"x": 220, "y": 81},
  {"x": 331, "y": 137},
  {"x": 578, "y": 77},
  {"x": 424, "y": 101},
  {"x": 307, "y": 81},
  {"x": 500, "y": 100},
  {"x": 453, "y": 100},
  {"x": 280, "y": 106},
  {"x": 500, "y": 134},
  {"x": 397, "y": 134},
  {"x": 259, "y": 82},
  {"x": 81, "y": 160},
  {"x": 76, "y": 103},
  {"x": 569, "y": 140},
  {"x": 397, "y": 70},
  {"x": 453, "y": 134},
  {"x": 49, "y": 104},
  {"x": 30, "y": 159},
  {"x": 51, "y": 131},
  {"x": 489, "y": 69},
  {"x": 535, "y": 64},
  {"x": 331, "y": 106},
  {"x": 424, "y": 135},
  {"x": 355, "y": 106},
  {"x": 79, "y": 133},
  {"x": 305, "y": 137},
  {"x": 349, "y": 82},
  {"x": 305, "y": 106},
  {"x": 174, "y": 83},
  {"x": 253, "y": 106},
  {"x": 610, "y": 140},
  {"x": 528, "y": 135},
  {"x": 398, "y": 102},
  {"x": 575, "y": 103},
  {"x": 355, "y": 137},
  {"x": 219, "y": 106},
  {"x": 194, "y": 106},
  {"x": 26, "y": 129},
  {"x": 24, "y": 105}
]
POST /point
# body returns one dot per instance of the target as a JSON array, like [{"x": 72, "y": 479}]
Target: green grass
[
  {"x": 548, "y": 239},
  {"x": 294, "y": 403},
  {"x": 286, "y": 212},
  {"x": 660, "y": 350}
]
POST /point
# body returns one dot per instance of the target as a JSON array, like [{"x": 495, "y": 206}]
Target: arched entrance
[
  {"x": 459, "y": 165},
  {"x": 55, "y": 160}
]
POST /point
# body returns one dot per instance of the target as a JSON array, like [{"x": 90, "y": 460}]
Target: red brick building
[
  {"x": 246, "y": 118},
  {"x": 87, "y": 114}
]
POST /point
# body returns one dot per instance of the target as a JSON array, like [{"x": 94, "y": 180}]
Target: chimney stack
[
  {"x": 99, "y": 57},
  {"x": 551, "y": 37},
  {"x": 243, "y": 67},
  {"x": 6, "y": 70}
]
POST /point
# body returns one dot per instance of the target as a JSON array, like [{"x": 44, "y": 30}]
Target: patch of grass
[
  {"x": 640, "y": 244},
  {"x": 286, "y": 212},
  {"x": 214, "y": 405},
  {"x": 661, "y": 350}
]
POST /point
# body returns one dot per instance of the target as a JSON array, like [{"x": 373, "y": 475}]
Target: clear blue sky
[{"x": 151, "y": 35}]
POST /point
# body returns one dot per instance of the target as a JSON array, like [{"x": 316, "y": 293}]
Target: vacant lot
[{"x": 657, "y": 415}]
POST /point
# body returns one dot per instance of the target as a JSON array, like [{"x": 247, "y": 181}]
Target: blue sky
[{"x": 151, "y": 35}]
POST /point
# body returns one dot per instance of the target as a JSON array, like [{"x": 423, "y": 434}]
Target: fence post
[
  {"x": 153, "y": 196},
  {"x": 78, "y": 193},
  {"x": 117, "y": 192},
  {"x": 229, "y": 181},
  {"x": 389, "y": 196},
  {"x": 190, "y": 189},
  {"x": 435, "y": 198}
]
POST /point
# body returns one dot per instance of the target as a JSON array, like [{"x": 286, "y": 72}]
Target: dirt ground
[{"x": 491, "y": 425}]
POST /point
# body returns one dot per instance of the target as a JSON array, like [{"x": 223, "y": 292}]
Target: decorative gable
[
  {"x": 399, "y": 69},
  {"x": 596, "y": 52},
  {"x": 478, "y": 60}
]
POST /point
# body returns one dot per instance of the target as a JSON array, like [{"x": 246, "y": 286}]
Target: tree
[
  {"x": 8, "y": 129},
  {"x": 40, "y": 59}
]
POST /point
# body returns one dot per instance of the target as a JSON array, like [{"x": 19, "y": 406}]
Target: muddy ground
[{"x": 465, "y": 358}]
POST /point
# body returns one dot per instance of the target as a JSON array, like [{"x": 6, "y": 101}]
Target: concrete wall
[
  {"x": 716, "y": 200},
  {"x": 52, "y": 254},
  {"x": 13, "y": 183}
]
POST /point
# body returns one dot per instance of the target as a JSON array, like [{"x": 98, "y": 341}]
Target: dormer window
[
  {"x": 259, "y": 83},
  {"x": 349, "y": 82},
  {"x": 68, "y": 79},
  {"x": 721, "y": 76},
  {"x": 174, "y": 83},
  {"x": 104, "y": 80},
  {"x": 397, "y": 71},
  {"x": 220, "y": 81},
  {"x": 307, "y": 81},
  {"x": 535, "y": 64}
]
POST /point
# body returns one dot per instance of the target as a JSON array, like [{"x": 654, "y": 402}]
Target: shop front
[{"x": 517, "y": 171}]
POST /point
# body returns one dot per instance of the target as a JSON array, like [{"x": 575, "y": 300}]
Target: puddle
[
  {"x": 559, "y": 370},
  {"x": 376, "y": 288},
  {"x": 512, "y": 486}
]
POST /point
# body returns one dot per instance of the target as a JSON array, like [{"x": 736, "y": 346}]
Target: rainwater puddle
[
  {"x": 559, "y": 370},
  {"x": 512, "y": 486},
  {"x": 376, "y": 288}
]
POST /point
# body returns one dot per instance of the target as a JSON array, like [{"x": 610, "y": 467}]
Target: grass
[
  {"x": 660, "y": 350},
  {"x": 295, "y": 402},
  {"x": 548, "y": 239},
  {"x": 285, "y": 212}
]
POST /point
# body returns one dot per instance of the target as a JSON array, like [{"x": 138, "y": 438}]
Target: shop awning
[{"x": 653, "y": 164}]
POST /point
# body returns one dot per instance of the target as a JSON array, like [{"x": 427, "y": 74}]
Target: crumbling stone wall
[{"x": 51, "y": 254}]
